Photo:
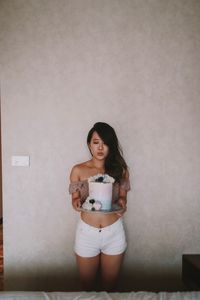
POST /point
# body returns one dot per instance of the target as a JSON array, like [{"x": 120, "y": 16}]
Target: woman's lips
[{"x": 100, "y": 153}]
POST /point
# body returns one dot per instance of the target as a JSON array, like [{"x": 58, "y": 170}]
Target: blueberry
[
  {"x": 92, "y": 201},
  {"x": 100, "y": 179}
]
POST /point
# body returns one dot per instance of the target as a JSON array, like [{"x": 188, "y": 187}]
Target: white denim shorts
[{"x": 90, "y": 241}]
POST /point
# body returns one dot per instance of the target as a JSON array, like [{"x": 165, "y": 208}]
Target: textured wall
[{"x": 66, "y": 64}]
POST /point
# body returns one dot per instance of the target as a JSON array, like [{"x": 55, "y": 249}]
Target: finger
[
  {"x": 78, "y": 206},
  {"x": 120, "y": 214}
]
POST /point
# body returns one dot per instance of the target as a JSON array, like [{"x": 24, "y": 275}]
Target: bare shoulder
[{"x": 78, "y": 171}]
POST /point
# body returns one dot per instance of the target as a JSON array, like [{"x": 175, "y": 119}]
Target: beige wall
[{"x": 66, "y": 64}]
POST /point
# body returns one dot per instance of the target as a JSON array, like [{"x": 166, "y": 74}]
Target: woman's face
[{"x": 97, "y": 147}]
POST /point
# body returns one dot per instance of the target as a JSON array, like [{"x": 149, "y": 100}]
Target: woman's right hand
[{"x": 76, "y": 203}]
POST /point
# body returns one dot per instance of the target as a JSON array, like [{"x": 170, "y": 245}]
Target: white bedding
[{"x": 99, "y": 296}]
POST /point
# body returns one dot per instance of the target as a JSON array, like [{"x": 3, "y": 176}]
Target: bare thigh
[
  {"x": 88, "y": 267},
  {"x": 110, "y": 269}
]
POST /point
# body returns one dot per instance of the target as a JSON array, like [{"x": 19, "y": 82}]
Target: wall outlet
[{"x": 20, "y": 161}]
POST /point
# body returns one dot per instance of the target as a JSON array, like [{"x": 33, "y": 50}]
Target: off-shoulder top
[{"x": 83, "y": 187}]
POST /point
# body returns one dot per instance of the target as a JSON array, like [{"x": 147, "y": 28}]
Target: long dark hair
[{"x": 115, "y": 164}]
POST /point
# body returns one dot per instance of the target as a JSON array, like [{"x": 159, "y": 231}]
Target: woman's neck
[{"x": 99, "y": 165}]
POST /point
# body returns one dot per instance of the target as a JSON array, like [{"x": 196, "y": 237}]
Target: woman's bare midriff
[{"x": 99, "y": 220}]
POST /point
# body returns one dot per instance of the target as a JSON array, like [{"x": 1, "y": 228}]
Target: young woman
[{"x": 100, "y": 241}]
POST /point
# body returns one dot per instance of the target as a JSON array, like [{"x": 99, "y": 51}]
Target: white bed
[{"x": 99, "y": 296}]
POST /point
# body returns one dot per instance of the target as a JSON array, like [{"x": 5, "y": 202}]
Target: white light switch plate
[{"x": 20, "y": 161}]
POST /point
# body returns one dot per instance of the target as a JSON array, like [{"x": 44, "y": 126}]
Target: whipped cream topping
[{"x": 102, "y": 178}]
